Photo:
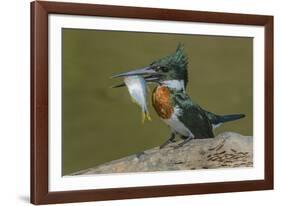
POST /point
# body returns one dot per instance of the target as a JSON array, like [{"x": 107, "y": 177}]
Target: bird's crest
[
  {"x": 179, "y": 60},
  {"x": 176, "y": 63}
]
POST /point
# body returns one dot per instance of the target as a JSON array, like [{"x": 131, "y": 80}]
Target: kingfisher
[{"x": 174, "y": 106}]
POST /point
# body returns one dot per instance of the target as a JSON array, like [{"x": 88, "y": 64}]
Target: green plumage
[
  {"x": 192, "y": 115},
  {"x": 174, "y": 66}
]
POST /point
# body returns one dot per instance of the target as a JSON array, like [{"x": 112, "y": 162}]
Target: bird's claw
[{"x": 183, "y": 143}]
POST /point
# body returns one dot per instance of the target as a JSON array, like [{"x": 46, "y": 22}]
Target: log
[{"x": 226, "y": 150}]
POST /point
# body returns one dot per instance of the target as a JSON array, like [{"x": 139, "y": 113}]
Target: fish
[{"x": 138, "y": 91}]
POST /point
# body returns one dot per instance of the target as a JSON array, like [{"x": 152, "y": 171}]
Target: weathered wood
[{"x": 226, "y": 150}]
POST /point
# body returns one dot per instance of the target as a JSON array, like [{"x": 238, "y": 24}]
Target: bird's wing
[
  {"x": 194, "y": 118},
  {"x": 214, "y": 119}
]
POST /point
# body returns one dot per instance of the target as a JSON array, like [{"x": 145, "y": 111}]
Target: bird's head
[{"x": 170, "y": 70}]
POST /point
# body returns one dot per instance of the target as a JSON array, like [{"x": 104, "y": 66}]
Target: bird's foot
[
  {"x": 183, "y": 143},
  {"x": 170, "y": 140},
  {"x": 166, "y": 143}
]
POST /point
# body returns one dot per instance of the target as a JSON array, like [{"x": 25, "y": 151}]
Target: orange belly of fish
[{"x": 162, "y": 103}]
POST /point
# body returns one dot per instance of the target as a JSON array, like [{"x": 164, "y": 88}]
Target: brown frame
[{"x": 39, "y": 102}]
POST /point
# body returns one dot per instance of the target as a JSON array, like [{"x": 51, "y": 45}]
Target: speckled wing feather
[{"x": 193, "y": 117}]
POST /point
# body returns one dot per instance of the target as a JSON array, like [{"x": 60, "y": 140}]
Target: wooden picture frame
[{"x": 40, "y": 193}]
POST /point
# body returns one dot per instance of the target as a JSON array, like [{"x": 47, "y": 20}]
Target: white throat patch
[{"x": 174, "y": 84}]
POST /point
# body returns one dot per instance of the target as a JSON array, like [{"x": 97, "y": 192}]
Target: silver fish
[{"x": 137, "y": 89}]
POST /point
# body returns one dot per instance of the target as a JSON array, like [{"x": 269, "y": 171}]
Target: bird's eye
[
  {"x": 157, "y": 68},
  {"x": 161, "y": 68}
]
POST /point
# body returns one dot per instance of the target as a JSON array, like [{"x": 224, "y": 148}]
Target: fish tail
[
  {"x": 148, "y": 116},
  {"x": 145, "y": 115}
]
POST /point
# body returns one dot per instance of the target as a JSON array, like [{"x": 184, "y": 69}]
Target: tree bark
[{"x": 227, "y": 150}]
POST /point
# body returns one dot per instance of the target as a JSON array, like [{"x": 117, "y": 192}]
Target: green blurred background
[{"x": 101, "y": 124}]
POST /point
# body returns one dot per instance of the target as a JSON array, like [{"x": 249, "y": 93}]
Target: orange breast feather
[{"x": 162, "y": 103}]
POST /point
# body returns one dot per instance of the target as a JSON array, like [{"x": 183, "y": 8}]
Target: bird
[{"x": 171, "y": 101}]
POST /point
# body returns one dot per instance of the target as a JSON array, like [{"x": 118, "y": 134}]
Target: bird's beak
[
  {"x": 142, "y": 71},
  {"x": 149, "y": 74}
]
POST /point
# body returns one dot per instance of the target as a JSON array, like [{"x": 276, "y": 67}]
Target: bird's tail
[{"x": 230, "y": 117}]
